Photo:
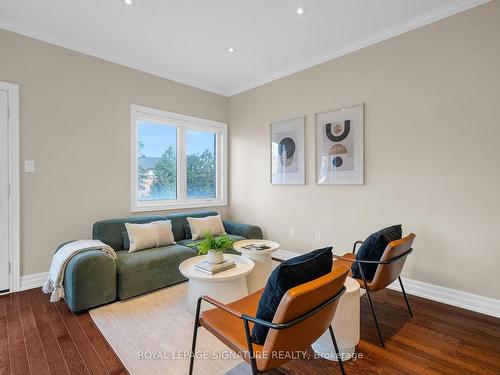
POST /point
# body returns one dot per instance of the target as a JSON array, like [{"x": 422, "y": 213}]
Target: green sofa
[{"x": 92, "y": 278}]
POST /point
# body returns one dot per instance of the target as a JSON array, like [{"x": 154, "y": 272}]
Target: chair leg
[
  {"x": 337, "y": 352},
  {"x": 406, "y": 297},
  {"x": 195, "y": 334},
  {"x": 253, "y": 362},
  {"x": 371, "y": 306}
]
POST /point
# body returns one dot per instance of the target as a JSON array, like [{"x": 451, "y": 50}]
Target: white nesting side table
[
  {"x": 345, "y": 325},
  {"x": 257, "y": 279},
  {"x": 226, "y": 286}
]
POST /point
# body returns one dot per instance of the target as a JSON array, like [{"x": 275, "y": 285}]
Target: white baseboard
[
  {"x": 32, "y": 281},
  {"x": 464, "y": 300}
]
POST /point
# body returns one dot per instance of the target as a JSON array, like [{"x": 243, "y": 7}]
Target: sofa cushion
[
  {"x": 150, "y": 258},
  {"x": 373, "y": 248},
  {"x": 287, "y": 275},
  {"x": 179, "y": 221},
  {"x": 136, "y": 283}
]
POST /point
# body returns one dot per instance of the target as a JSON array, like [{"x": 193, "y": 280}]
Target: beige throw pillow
[
  {"x": 200, "y": 226},
  {"x": 149, "y": 235}
]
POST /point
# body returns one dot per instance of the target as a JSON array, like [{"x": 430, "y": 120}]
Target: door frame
[{"x": 13, "y": 200}]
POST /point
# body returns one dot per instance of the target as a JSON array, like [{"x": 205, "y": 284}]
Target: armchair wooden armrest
[{"x": 222, "y": 306}]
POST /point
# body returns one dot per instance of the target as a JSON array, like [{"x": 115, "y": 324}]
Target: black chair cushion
[
  {"x": 289, "y": 274},
  {"x": 373, "y": 248}
]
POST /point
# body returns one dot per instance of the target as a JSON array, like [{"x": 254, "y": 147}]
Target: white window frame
[{"x": 182, "y": 123}]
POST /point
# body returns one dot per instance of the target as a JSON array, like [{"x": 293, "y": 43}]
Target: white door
[{"x": 4, "y": 192}]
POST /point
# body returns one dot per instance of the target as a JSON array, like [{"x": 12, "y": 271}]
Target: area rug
[{"x": 152, "y": 334}]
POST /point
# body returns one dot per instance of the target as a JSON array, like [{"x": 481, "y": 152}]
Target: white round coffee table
[
  {"x": 257, "y": 279},
  {"x": 226, "y": 286},
  {"x": 345, "y": 326}
]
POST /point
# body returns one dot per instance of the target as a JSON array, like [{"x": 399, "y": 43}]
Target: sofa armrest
[
  {"x": 89, "y": 280},
  {"x": 243, "y": 230}
]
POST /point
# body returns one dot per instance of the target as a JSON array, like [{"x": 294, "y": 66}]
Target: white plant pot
[{"x": 215, "y": 257}]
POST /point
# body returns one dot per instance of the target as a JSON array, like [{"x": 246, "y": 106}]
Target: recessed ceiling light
[
  {"x": 128, "y": 2},
  {"x": 300, "y": 11},
  {"x": 231, "y": 50}
]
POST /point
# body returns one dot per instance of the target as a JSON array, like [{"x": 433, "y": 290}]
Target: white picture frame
[
  {"x": 340, "y": 146},
  {"x": 288, "y": 152}
]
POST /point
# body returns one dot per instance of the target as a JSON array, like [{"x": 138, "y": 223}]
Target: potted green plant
[{"x": 214, "y": 247}]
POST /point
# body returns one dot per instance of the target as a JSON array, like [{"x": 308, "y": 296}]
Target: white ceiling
[{"x": 187, "y": 40}]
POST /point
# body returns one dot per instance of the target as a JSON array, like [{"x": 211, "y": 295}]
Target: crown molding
[{"x": 390, "y": 32}]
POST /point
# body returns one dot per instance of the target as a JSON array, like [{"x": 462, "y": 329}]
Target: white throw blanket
[{"x": 54, "y": 283}]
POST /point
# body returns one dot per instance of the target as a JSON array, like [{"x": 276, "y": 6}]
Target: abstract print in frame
[
  {"x": 287, "y": 152},
  {"x": 339, "y": 146}
]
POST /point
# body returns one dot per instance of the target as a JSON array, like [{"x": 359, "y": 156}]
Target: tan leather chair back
[
  {"x": 295, "y": 303},
  {"x": 387, "y": 273}
]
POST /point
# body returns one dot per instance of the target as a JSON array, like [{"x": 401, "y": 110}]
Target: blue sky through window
[{"x": 157, "y": 138}]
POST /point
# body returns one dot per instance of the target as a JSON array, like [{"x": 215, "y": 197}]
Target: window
[{"x": 178, "y": 161}]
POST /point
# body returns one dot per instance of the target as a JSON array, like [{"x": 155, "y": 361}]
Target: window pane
[
  {"x": 156, "y": 161},
  {"x": 201, "y": 181}
]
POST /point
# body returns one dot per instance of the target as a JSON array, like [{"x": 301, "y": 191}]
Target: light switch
[{"x": 29, "y": 165}]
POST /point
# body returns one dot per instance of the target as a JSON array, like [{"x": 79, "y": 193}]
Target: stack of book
[
  {"x": 212, "y": 269},
  {"x": 256, "y": 247}
]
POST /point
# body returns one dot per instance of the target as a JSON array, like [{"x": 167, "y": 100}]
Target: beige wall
[
  {"x": 432, "y": 150},
  {"x": 75, "y": 124}
]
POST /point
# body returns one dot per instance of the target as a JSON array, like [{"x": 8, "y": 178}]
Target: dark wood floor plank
[
  {"x": 55, "y": 359},
  {"x": 17, "y": 349},
  {"x": 4, "y": 339},
  {"x": 108, "y": 357},
  {"x": 82, "y": 342},
  {"x": 468, "y": 320},
  {"x": 71, "y": 355},
  {"x": 439, "y": 339},
  {"x": 36, "y": 358}
]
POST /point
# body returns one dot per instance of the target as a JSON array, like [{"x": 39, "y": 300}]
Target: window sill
[{"x": 177, "y": 206}]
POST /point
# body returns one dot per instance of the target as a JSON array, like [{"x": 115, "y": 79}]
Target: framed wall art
[
  {"x": 340, "y": 146},
  {"x": 288, "y": 152}
]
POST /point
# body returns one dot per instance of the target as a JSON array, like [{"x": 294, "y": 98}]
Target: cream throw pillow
[
  {"x": 199, "y": 226},
  {"x": 149, "y": 235}
]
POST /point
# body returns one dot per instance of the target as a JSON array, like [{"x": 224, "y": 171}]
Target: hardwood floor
[{"x": 38, "y": 337}]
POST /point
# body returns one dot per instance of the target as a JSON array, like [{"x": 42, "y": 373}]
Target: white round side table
[
  {"x": 257, "y": 279},
  {"x": 226, "y": 286},
  {"x": 345, "y": 326}
]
